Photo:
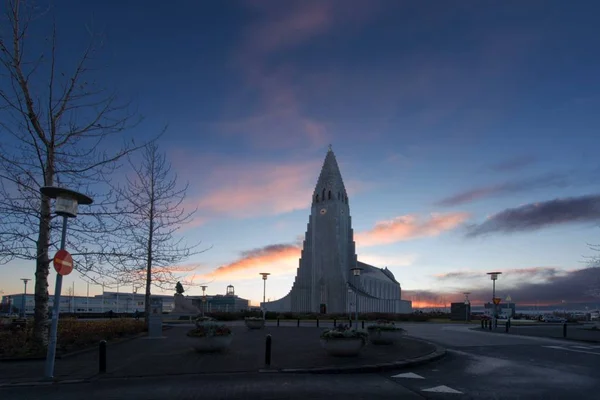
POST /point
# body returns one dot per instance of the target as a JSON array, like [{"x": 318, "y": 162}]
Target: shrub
[{"x": 72, "y": 335}]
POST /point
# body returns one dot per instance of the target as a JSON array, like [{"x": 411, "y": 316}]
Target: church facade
[{"x": 324, "y": 281}]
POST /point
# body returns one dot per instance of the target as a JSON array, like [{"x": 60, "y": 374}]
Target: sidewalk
[{"x": 292, "y": 348}]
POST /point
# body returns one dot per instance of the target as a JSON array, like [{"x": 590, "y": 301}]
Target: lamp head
[
  {"x": 494, "y": 275},
  {"x": 67, "y": 200},
  {"x": 356, "y": 271},
  {"x": 264, "y": 275}
]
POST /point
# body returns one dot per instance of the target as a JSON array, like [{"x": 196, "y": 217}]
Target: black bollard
[
  {"x": 102, "y": 357},
  {"x": 363, "y": 324},
  {"x": 268, "y": 351},
  {"x": 565, "y": 330},
  {"x": 481, "y": 324},
  {"x": 506, "y": 326},
  {"x": 317, "y": 322},
  {"x": 298, "y": 322},
  {"x": 277, "y": 321},
  {"x": 334, "y": 322},
  {"x": 491, "y": 323}
]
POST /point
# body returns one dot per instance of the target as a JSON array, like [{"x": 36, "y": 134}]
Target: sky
[{"x": 466, "y": 134}]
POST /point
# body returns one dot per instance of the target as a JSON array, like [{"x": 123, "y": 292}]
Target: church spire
[{"x": 330, "y": 185}]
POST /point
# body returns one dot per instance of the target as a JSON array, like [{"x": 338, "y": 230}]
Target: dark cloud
[
  {"x": 544, "y": 181},
  {"x": 522, "y": 273},
  {"x": 576, "y": 286},
  {"x": 513, "y": 164},
  {"x": 539, "y": 215}
]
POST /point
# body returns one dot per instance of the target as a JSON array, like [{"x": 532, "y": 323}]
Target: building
[
  {"x": 117, "y": 302},
  {"x": 460, "y": 311},
  {"x": 324, "y": 281},
  {"x": 229, "y": 302}
]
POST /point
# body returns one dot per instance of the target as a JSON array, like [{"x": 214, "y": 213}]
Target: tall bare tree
[
  {"x": 152, "y": 204},
  {"x": 55, "y": 127}
]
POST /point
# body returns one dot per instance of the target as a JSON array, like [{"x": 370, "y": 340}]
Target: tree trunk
[
  {"x": 149, "y": 265},
  {"x": 42, "y": 265}
]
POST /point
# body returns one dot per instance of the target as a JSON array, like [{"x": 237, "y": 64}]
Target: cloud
[
  {"x": 257, "y": 189},
  {"x": 516, "y": 163},
  {"x": 535, "y": 216},
  {"x": 408, "y": 227},
  {"x": 549, "y": 180},
  {"x": 526, "y": 286},
  {"x": 276, "y": 258}
]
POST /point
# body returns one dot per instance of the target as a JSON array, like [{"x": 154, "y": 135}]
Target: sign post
[{"x": 66, "y": 206}]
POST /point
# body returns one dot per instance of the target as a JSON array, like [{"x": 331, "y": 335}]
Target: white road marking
[
  {"x": 573, "y": 350},
  {"x": 409, "y": 375},
  {"x": 442, "y": 389},
  {"x": 583, "y": 347}
]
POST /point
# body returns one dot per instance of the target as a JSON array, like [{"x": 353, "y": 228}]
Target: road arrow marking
[
  {"x": 408, "y": 375},
  {"x": 442, "y": 389}
]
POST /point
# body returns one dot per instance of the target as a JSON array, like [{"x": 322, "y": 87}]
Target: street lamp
[
  {"x": 203, "y": 287},
  {"x": 65, "y": 205},
  {"x": 264, "y": 277},
  {"x": 467, "y": 302},
  {"x": 356, "y": 273},
  {"x": 494, "y": 277},
  {"x": 25, "y": 280}
]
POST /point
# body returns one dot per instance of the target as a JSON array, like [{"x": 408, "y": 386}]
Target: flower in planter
[
  {"x": 383, "y": 325},
  {"x": 209, "y": 329},
  {"x": 344, "y": 332}
]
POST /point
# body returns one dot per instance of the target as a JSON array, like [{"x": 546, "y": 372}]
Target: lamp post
[
  {"x": 467, "y": 302},
  {"x": 203, "y": 298},
  {"x": 494, "y": 277},
  {"x": 25, "y": 280},
  {"x": 264, "y": 277},
  {"x": 65, "y": 205},
  {"x": 356, "y": 273}
]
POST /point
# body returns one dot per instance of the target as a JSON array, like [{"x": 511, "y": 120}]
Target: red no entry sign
[{"x": 63, "y": 262}]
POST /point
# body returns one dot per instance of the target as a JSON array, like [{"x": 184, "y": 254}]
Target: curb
[
  {"x": 44, "y": 383},
  {"x": 438, "y": 353},
  {"x": 562, "y": 339}
]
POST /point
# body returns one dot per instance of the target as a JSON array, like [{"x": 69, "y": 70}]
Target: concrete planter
[
  {"x": 255, "y": 323},
  {"x": 343, "y": 347},
  {"x": 384, "y": 337},
  {"x": 211, "y": 343}
]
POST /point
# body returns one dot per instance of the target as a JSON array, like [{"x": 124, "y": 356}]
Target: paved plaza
[{"x": 295, "y": 348}]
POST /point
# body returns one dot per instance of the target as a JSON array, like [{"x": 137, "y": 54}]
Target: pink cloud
[
  {"x": 277, "y": 259},
  {"x": 408, "y": 227},
  {"x": 258, "y": 189}
]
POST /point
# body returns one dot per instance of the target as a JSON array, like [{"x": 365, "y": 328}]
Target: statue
[{"x": 183, "y": 305}]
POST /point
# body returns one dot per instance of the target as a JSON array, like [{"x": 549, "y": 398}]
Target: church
[{"x": 325, "y": 281}]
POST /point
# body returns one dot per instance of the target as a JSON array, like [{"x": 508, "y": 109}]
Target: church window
[
  {"x": 317, "y": 199},
  {"x": 329, "y": 195},
  {"x": 323, "y": 194},
  {"x": 338, "y": 195}
]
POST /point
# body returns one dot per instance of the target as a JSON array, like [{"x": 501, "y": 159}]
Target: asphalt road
[{"x": 479, "y": 365}]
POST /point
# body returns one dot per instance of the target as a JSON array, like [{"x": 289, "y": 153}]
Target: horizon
[{"x": 455, "y": 165}]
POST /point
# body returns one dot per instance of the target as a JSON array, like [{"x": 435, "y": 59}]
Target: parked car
[{"x": 553, "y": 318}]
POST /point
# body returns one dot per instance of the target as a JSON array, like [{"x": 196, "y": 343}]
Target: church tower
[
  {"x": 322, "y": 281},
  {"x": 329, "y": 250}
]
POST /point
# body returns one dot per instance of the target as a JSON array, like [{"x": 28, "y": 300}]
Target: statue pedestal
[{"x": 155, "y": 327}]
